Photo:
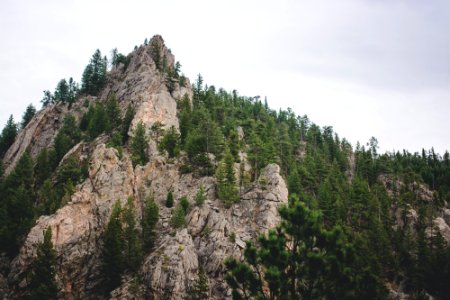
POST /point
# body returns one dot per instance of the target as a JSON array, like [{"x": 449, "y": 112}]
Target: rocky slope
[{"x": 212, "y": 234}]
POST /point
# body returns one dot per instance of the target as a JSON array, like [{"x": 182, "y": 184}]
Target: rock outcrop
[
  {"x": 37, "y": 135},
  {"x": 213, "y": 232},
  {"x": 77, "y": 227}
]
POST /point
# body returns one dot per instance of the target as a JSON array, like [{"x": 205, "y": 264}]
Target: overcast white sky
[{"x": 368, "y": 68}]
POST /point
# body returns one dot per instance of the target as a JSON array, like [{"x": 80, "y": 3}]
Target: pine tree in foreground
[{"x": 43, "y": 284}]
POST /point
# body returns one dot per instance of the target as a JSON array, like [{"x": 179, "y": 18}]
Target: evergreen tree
[
  {"x": 73, "y": 92},
  {"x": 98, "y": 121},
  {"x": 28, "y": 115},
  {"x": 43, "y": 285},
  {"x": 226, "y": 180},
  {"x": 200, "y": 289},
  {"x": 8, "y": 136},
  {"x": 62, "y": 91},
  {"x": 157, "y": 130},
  {"x": 132, "y": 243},
  {"x": 149, "y": 220},
  {"x": 68, "y": 136},
  {"x": 178, "y": 219},
  {"x": 184, "y": 204},
  {"x": 139, "y": 145},
  {"x": 298, "y": 260},
  {"x": 170, "y": 142},
  {"x": 200, "y": 197},
  {"x": 113, "y": 113},
  {"x": 48, "y": 199},
  {"x": 42, "y": 169},
  {"x": 17, "y": 205},
  {"x": 184, "y": 117},
  {"x": 94, "y": 75},
  {"x": 112, "y": 250},
  {"x": 47, "y": 99},
  {"x": 169, "y": 199}
]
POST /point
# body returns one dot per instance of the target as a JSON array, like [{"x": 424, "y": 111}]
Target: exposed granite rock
[
  {"x": 171, "y": 267},
  {"x": 213, "y": 233},
  {"x": 39, "y": 133},
  {"x": 143, "y": 85},
  {"x": 76, "y": 227}
]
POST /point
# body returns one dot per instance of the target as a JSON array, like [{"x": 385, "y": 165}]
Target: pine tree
[
  {"x": 113, "y": 113},
  {"x": 299, "y": 260},
  {"x": 112, "y": 250},
  {"x": 170, "y": 142},
  {"x": 132, "y": 243},
  {"x": 139, "y": 145},
  {"x": 200, "y": 197},
  {"x": 200, "y": 289},
  {"x": 73, "y": 92},
  {"x": 184, "y": 202},
  {"x": 178, "y": 219},
  {"x": 68, "y": 136},
  {"x": 226, "y": 180},
  {"x": 150, "y": 218},
  {"x": 47, "y": 99},
  {"x": 28, "y": 115},
  {"x": 48, "y": 200},
  {"x": 184, "y": 117},
  {"x": 8, "y": 136},
  {"x": 17, "y": 205},
  {"x": 43, "y": 285},
  {"x": 169, "y": 199},
  {"x": 94, "y": 75},
  {"x": 62, "y": 91},
  {"x": 42, "y": 169},
  {"x": 98, "y": 121}
]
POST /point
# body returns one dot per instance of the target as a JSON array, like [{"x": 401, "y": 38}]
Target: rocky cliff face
[{"x": 212, "y": 234}]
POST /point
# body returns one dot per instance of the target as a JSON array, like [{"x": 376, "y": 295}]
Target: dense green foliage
[
  {"x": 226, "y": 180},
  {"x": 16, "y": 206},
  {"x": 302, "y": 260},
  {"x": 7, "y": 136},
  {"x": 43, "y": 271},
  {"x": 200, "y": 288},
  {"x": 178, "y": 218},
  {"x": 29, "y": 113},
  {"x": 150, "y": 217},
  {"x": 122, "y": 247},
  {"x": 94, "y": 75},
  {"x": 65, "y": 92},
  {"x": 169, "y": 199},
  {"x": 362, "y": 198},
  {"x": 68, "y": 136},
  {"x": 356, "y": 220},
  {"x": 139, "y": 145},
  {"x": 112, "y": 251},
  {"x": 170, "y": 142},
  {"x": 200, "y": 197}
]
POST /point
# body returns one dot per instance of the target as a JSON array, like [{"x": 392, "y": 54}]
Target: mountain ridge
[{"x": 276, "y": 158}]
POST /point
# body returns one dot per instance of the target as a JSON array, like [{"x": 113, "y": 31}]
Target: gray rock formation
[
  {"x": 213, "y": 232},
  {"x": 77, "y": 227}
]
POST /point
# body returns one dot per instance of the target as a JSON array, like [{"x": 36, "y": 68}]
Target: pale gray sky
[{"x": 366, "y": 67}]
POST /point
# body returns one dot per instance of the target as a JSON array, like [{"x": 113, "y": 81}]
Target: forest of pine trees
[{"x": 339, "y": 237}]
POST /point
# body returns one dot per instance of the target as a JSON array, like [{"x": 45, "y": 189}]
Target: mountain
[{"x": 139, "y": 185}]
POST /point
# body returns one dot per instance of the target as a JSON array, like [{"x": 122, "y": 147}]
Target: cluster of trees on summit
[{"x": 340, "y": 237}]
